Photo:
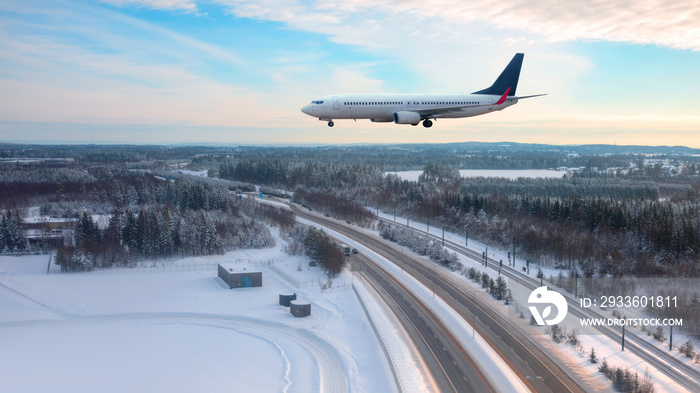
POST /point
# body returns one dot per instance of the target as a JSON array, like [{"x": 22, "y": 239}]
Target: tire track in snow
[
  {"x": 43, "y": 306},
  {"x": 332, "y": 374}
]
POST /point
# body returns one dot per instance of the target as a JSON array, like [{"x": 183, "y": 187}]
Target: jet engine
[{"x": 406, "y": 117}]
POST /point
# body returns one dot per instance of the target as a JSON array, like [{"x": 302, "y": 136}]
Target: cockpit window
[{"x": 317, "y": 102}]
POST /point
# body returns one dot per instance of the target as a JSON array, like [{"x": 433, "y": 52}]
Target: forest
[
  {"x": 618, "y": 211},
  {"x": 614, "y": 215},
  {"x": 143, "y": 216}
]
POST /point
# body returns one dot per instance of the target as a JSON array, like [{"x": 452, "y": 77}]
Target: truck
[{"x": 346, "y": 249}]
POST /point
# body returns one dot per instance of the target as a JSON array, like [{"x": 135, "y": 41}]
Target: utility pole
[
  {"x": 428, "y": 230},
  {"x": 443, "y": 237},
  {"x": 432, "y": 282},
  {"x": 623, "y": 337},
  {"x": 407, "y": 226},
  {"x": 466, "y": 237},
  {"x": 670, "y": 339},
  {"x": 576, "y": 286}
]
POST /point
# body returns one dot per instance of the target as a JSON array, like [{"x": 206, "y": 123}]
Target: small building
[
  {"x": 237, "y": 278},
  {"x": 300, "y": 308},
  {"x": 286, "y": 298}
]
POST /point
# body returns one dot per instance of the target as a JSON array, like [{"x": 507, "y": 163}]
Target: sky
[{"x": 227, "y": 71}]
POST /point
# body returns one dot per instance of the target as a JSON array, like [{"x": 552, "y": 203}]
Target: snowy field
[
  {"x": 502, "y": 173},
  {"x": 183, "y": 331}
]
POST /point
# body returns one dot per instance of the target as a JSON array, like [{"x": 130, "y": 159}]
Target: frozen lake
[{"x": 503, "y": 173}]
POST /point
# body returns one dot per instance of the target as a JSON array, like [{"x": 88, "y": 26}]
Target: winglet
[{"x": 503, "y": 97}]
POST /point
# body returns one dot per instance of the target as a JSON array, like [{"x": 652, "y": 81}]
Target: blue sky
[{"x": 226, "y": 71}]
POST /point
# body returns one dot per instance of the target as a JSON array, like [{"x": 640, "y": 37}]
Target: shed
[
  {"x": 300, "y": 308},
  {"x": 239, "y": 278},
  {"x": 286, "y": 298}
]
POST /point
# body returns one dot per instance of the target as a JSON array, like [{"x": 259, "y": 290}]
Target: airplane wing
[
  {"x": 523, "y": 97},
  {"x": 457, "y": 108}
]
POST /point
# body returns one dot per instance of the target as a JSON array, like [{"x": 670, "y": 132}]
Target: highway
[
  {"x": 676, "y": 369},
  {"x": 534, "y": 367},
  {"x": 451, "y": 366}
]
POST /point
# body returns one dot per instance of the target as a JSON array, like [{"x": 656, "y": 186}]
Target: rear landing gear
[
  {"x": 427, "y": 123},
  {"x": 331, "y": 124}
]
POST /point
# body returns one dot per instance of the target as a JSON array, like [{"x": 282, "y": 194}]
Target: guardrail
[{"x": 378, "y": 333}]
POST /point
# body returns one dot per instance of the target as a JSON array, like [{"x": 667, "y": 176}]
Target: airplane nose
[{"x": 306, "y": 109}]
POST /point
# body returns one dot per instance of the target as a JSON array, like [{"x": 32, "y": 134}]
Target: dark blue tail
[{"x": 508, "y": 78}]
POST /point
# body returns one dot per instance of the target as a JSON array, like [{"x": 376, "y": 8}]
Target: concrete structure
[
  {"x": 236, "y": 278},
  {"x": 286, "y": 298},
  {"x": 300, "y": 308}
]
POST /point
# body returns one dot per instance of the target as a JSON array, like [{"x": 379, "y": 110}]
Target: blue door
[{"x": 246, "y": 281}]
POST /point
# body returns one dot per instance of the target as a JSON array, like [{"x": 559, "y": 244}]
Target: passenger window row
[{"x": 352, "y": 103}]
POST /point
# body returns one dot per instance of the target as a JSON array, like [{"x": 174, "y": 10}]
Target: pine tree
[
  {"x": 687, "y": 349},
  {"x": 485, "y": 280},
  {"x": 593, "y": 358},
  {"x": 556, "y": 333},
  {"x": 619, "y": 380},
  {"x": 4, "y": 236},
  {"x": 501, "y": 288}
]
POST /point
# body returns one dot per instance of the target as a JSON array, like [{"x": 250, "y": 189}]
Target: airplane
[{"x": 414, "y": 108}]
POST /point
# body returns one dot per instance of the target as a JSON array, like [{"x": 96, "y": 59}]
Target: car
[
  {"x": 354, "y": 251},
  {"x": 312, "y": 263}
]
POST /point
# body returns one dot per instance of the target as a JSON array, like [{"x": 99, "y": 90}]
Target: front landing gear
[
  {"x": 330, "y": 123},
  {"x": 427, "y": 123}
]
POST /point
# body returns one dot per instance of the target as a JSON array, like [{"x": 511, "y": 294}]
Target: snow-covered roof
[{"x": 232, "y": 267}]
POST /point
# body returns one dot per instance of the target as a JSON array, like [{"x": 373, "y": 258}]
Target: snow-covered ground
[
  {"x": 184, "y": 331},
  {"x": 504, "y": 173},
  {"x": 193, "y": 173}
]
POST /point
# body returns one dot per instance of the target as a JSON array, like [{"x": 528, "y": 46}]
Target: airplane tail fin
[{"x": 508, "y": 78}]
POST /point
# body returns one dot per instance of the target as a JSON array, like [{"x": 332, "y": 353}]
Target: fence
[
  {"x": 270, "y": 263},
  {"x": 334, "y": 288},
  {"x": 153, "y": 267},
  {"x": 324, "y": 285},
  {"x": 22, "y": 253},
  {"x": 288, "y": 277}
]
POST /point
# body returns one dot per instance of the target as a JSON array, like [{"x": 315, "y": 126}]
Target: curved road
[
  {"x": 452, "y": 367},
  {"x": 533, "y": 366},
  {"x": 679, "y": 371}
]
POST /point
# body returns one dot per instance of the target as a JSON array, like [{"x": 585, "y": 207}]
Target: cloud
[
  {"x": 99, "y": 66},
  {"x": 631, "y": 21},
  {"x": 181, "y": 5},
  {"x": 100, "y": 69}
]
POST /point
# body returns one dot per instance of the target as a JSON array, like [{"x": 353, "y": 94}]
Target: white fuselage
[{"x": 382, "y": 107}]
